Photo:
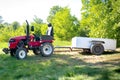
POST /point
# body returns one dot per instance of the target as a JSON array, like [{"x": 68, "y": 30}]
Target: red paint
[{"x": 31, "y": 43}]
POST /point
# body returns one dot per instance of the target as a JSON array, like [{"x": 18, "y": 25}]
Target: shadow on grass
[
  {"x": 117, "y": 70},
  {"x": 52, "y": 68},
  {"x": 64, "y": 65},
  {"x": 105, "y": 53},
  {"x": 110, "y": 52}
]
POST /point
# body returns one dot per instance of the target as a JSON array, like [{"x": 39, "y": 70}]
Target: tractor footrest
[{"x": 5, "y": 50}]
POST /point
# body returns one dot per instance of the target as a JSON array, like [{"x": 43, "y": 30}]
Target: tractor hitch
[{"x": 5, "y": 50}]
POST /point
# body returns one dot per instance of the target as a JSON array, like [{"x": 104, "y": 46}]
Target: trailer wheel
[
  {"x": 97, "y": 49},
  {"x": 21, "y": 53},
  {"x": 47, "y": 49}
]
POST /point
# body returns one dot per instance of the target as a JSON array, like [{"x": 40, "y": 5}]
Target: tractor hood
[{"x": 19, "y": 37}]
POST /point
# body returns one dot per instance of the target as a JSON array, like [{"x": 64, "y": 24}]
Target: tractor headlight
[{"x": 11, "y": 40}]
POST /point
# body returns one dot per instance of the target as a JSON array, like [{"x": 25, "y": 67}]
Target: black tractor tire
[
  {"x": 36, "y": 51},
  {"x": 47, "y": 49},
  {"x": 21, "y": 53},
  {"x": 97, "y": 49}
]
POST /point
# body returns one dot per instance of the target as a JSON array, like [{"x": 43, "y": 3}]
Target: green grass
[
  {"x": 57, "y": 67},
  {"x": 62, "y": 43},
  {"x": 60, "y": 66}
]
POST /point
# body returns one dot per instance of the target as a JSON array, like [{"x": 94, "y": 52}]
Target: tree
[
  {"x": 15, "y": 25},
  {"x": 6, "y": 24},
  {"x": 64, "y": 24},
  {"x": 102, "y": 18},
  {"x": 37, "y": 20},
  {"x": 1, "y": 20},
  {"x": 52, "y": 12}
]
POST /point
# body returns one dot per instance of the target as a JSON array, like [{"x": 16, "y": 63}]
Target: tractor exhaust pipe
[{"x": 27, "y": 31}]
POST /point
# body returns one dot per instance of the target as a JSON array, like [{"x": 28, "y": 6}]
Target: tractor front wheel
[
  {"x": 21, "y": 53},
  {"x": 47, "y": 49}
]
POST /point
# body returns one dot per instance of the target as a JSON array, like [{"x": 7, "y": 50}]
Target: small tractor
[{"x": 20, "y": 45}]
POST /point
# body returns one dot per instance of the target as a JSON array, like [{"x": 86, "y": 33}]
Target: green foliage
[
  {"x": 101, "y": 17},
  {"x": 44, "y": 28},
  {"x": 15, "y": 25},
  {"x": 65, "y": 25},
  {"x": 1, "y": 20},
  {"x": 58, "y": 42},
  {"x": 3, "y": 45},
  {"x": 8, "y": 32},
  {"x": 37, "y": 27},
  {"x": 14, "y": 29},
  {"x": 40, "y": 29},
  {"x": 37, "y": 20},
  {"x": 1, "y": 26},
  {"x": 4, "y": 34},
  {"x": 52, "y": 12}
]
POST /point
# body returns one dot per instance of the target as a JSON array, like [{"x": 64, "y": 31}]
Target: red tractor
[{"x": 20, "y": 45}]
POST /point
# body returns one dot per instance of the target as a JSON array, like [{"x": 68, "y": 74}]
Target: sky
[{"x": 21, "y": 10}]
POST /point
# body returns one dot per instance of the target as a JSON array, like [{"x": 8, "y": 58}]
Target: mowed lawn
[{"x": 61, "y": 66}]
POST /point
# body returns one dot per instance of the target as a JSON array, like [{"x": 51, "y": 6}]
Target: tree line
[
  {"x": 100, "y": 19},
  {"x": 63, "y": 22}
]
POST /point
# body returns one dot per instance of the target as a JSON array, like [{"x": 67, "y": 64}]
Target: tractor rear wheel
[
  {"x": 21, "y": 53},
  {"x": 47, "y": 49}
]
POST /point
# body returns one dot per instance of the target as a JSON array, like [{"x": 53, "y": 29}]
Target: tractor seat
[
  {"x": 46, "y": 37},
  {"x": 37, "y": 38}
]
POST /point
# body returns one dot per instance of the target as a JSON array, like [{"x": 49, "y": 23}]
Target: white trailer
[{"x": 94, "y": 45}]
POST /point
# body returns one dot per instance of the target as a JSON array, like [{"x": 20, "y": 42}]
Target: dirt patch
[
  {"x": 105, "y": 59},
  {"x": 102, "y": 58}
]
